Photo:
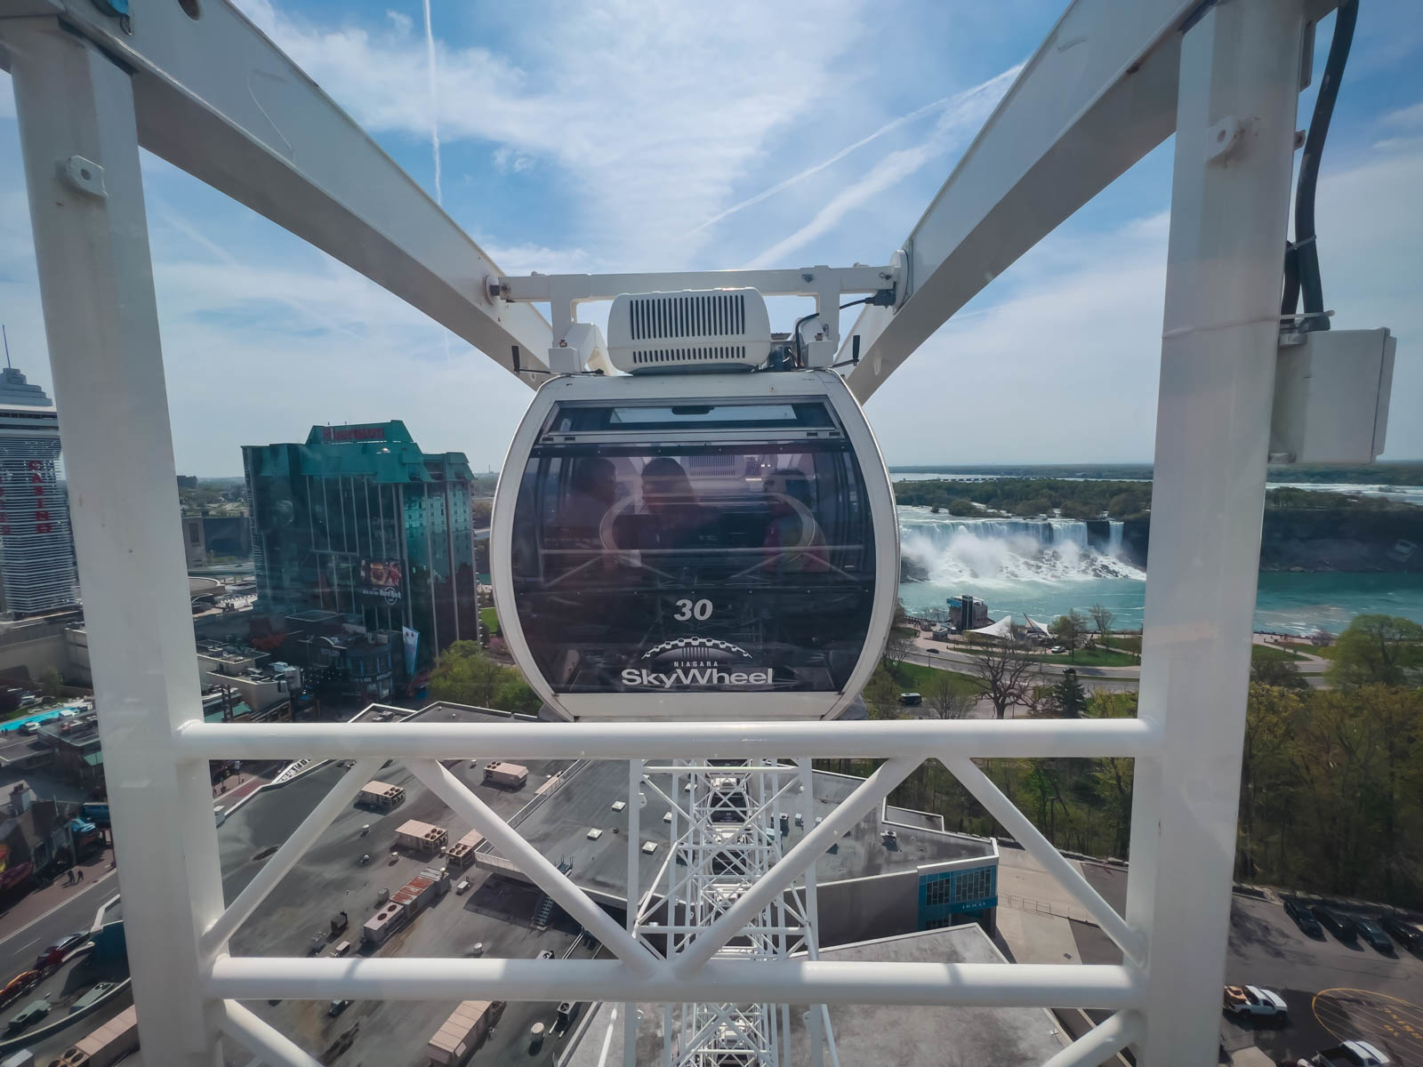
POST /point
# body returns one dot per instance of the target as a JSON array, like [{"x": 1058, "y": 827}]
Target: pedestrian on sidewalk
[
  {"x": 81, "y": 874},
  {"x": 69, "y": 876}
]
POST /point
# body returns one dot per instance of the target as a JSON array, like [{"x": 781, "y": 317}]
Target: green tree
[
  {"x": 1123, "y": 505},
  {"x": 1071, "y": 697},
  {"x": 465, "y": 675},
  {"x": 1377, "y": 649},
  {"x": 1079, "y": 509},
  {"x": 961, "y": 507},
  {"x": 1068, "y": 629},
  {"x": 882, "y": 694},
  {"x": 51, "y": 683},
  {"x": 947, "y": 697},
  {"x": 517, "y": 695},
  {"x": 1101, "y": 618},
  {"x": 1274, "y": 671}
]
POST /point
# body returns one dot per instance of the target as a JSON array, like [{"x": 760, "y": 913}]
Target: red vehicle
[{"x": 54, "y": 955}]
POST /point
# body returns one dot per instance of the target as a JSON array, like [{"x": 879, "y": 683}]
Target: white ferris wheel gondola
[{"x": 701, "y": 544}]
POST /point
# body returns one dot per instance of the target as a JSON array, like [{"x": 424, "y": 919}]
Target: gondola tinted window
[{"x": 711, "y": 547}]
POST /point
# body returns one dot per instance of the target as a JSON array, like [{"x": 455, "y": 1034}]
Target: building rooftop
[
  {"x": 495, "y": 912},
  {"x": 584, "y": 801},
  {"x": 881, "y": 1035}
]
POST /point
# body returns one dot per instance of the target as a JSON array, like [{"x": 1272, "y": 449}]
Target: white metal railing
[{"x": 689, "y": 971}]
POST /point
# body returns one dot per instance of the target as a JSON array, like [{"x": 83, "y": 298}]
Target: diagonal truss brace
[
  {"x": 806, "y": 851},
  {"x": 286, "y": 857},
  {"x": 544, "y": 874},
  {"x": 1131, "y": 941}
]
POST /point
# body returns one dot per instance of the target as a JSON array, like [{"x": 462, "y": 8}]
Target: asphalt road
[
  {"x": 1334, "y": 991},
  {"x": 18, "y": 951}
]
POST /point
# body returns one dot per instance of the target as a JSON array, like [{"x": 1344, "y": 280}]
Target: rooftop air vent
[{"x": 707, "y": 330}]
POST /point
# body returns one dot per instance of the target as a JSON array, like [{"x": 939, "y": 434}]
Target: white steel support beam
[
  {"x": 286, "y": 857},
  {"x": 256, "y": 1036},
  {"x": 218, "y": 99},
  {"x": 633, "y": 896},
  {"x": 806, "y": 851},
  {"x": 533, "y": 864},
  {"x": 695, "y": 740},
  {"x": 77, "y": 133},
  {"x": 984, "y": 985},
  {"x": 1098, "y": 94},
  {"x": 1100, "y": 1043},
  {"x": 1240, "y": 76},
  {"x": 1041, "y": 849}
]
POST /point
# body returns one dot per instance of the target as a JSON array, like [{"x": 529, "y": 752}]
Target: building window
[{"x": 973, "y": 885}]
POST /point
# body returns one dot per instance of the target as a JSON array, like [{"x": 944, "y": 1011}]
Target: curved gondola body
[{"x": 695, "y": 546}]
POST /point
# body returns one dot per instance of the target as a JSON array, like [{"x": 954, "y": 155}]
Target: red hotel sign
[{"x": 338, "y": 434}]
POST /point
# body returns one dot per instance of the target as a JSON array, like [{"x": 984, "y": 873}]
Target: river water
[{"x": 1046, "y": 568}]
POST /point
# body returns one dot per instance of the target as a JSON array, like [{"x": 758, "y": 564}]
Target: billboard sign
[{"x": 382, "y": 579}]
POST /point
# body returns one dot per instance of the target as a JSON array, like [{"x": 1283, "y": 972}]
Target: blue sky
[{"x": 641, "y": 136}]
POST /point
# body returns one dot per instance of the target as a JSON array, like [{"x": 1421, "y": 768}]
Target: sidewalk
[
  {"x": 39, "y": 902},
  {"x": 234, "y": 787}
]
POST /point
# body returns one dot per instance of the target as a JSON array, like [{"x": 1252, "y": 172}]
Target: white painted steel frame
[
  {"x": 1240, "y": 72},
  {"x": 1238, "y": 62},
  {"x": 219, "y": 100},
  {"x": 633, "y": 389}
]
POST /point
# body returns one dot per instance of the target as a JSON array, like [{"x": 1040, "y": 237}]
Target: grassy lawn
[
  {"x": 1323, "y": 652},
  {"x": 1085, "y": 657},
  {"x": 489, "y": 619},
  {"x": 1127, "y": 643},
  {"x": 1264, "y": 653},
  {"x": 915, "y": 677}
]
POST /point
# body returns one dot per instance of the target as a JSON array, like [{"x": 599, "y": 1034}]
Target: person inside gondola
[
  {"x": 678, "y": 518},
  {"x": 592, "y": 491},
  {"x": 793, "y": 541}
]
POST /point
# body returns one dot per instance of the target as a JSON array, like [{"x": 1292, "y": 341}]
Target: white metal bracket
[
  {"x": 827, "y": 285},
  {"x": 84, "y": 175}
]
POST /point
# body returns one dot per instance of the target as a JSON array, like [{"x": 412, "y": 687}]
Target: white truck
[{"x": 1252, "y": 1001}]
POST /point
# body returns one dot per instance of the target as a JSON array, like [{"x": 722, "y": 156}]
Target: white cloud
[
  {"x": 654, "y": 112},
  {"x": 1062, "y": 365},
  {"x": 510, "y": 161},
  {"x": 960, "y": 120},
  {"x": 1409, "y": 118}
]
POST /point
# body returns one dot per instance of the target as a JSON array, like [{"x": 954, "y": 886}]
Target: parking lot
[{"x": 1334, "y": 990}]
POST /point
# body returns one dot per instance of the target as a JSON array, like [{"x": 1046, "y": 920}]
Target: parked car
[
  {"x": 1307, "y": 923},
  {"x": 54, "y": 955},
  {"x": 1349, "y": 1054},
  {"x": 1252, "y": 1001},
  {"x": 1057, "y": 650},
  {"x": 1407, "y": 934},
  {"x": 19, "y": 985},
  {"x": 337, "y": 1007},
  {"x": 462, "y": 887},
  {"x": 30, "y": 1014},
  {"x": 544, "y": 955},
  {"x": 1337, "y": 923},
  {"x": 1374, "y": 935},
  {"x": 910, "y": 700}
]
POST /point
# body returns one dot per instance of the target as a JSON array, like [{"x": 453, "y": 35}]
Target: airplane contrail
[
  {"x": 434, "y": 103},
  {"x": 919, "y": 112}
]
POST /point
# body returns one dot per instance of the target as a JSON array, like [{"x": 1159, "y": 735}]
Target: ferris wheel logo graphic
[{"x": 696, "y": 652}]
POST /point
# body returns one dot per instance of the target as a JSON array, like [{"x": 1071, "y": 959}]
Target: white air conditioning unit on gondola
[{"x": 697, "y": 330}]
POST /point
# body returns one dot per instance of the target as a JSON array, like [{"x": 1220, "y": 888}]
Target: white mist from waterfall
[{"x": 1000, "y": 553}]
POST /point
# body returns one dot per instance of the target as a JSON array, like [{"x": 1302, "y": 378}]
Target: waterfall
[{"x": 1010, "y": 550}]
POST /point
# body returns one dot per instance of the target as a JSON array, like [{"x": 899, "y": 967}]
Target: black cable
[
  {"x": 1304, "y": 251},
  {"x": 795, "y": 335}
]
